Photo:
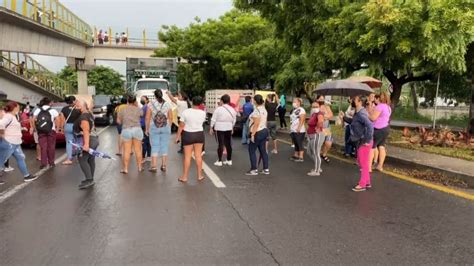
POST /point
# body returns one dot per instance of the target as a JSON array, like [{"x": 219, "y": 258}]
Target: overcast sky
[{"x": 137, "y": 15}]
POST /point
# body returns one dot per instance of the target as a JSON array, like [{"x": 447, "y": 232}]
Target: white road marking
[
  {"x": 212, "y": 175},
  {"x": 12, "y": 191}
]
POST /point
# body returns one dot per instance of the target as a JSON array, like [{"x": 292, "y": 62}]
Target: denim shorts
[{"x": 130, "y": 133}]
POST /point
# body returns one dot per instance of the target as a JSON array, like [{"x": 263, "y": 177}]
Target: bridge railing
[
  {"x": 109, "y": 37},
  {"x": 29, "y": 69},
  {"x": 53, "y": 14}
]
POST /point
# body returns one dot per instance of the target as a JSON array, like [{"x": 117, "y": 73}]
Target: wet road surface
[{"x": 284, "y": 218}]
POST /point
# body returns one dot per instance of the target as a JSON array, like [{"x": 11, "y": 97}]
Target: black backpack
[{"x": 44, "y": 122}]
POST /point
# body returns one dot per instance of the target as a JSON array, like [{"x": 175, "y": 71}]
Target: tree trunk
[
  {"x": 471, "y": 109},
  {"x": 396, "y": 93},
  {"x": 414, "y": 97}
]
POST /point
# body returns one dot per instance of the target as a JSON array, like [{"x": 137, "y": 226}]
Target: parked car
[
  {"x": 28, "y": 138},
  {"x": 103, "y": 109}
]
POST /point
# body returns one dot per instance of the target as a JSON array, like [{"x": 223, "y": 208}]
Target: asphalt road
[{"x": 284, "y": 218}]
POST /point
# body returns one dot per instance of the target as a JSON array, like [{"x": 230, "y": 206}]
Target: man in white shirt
[
  {"x": 46, "y": 121},
  {"x": 222, "y": 122}
]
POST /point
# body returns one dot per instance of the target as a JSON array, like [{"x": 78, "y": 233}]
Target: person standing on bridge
[
  {"x": 191, "y": 134},
  {"x": 258, "y": 136},
  {"x": 117, "y": 38},
  {"x": 69, "y": 114},
  {"x": 10, "y": 140},
  {"x": 158, "y": 126},
  {"x": 222, "y": 123},
  {"x": 132, "y": 134},
  {"x": 46, "y": 122},
  {"x": 362, "y": 131}
]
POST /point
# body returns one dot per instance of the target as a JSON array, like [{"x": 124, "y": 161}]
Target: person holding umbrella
[
  {"x": 82, "y": 129},
  {"x": 362, "y": 131}
]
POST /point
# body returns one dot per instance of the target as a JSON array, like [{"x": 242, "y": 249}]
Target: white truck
[
  {"x": 237, "y": 99},
  {"x": 147, "y": 86}
]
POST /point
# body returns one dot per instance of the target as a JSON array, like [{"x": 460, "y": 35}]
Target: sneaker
[
  {"x": 218, "y": 163},
  {"x": 52, "y": 165},
  {"x": 148, "y": 159},
  {"x": 229, "y": 163},
  {"x": 358, "y": 189},
  {"x": 8, "y": 169},
  {"x": 30, "y": 178},
  {"x": 86, "y": 184},
  {"x": 299, "y": 160},
  {"x": 320, "y": 170},
  {"x": 265, "y": 172},
  {"x": 313, "y": 173},
  {"x": 252, "y": 172},
  {"x": 293, "y": 158},
  {"x": 369, "y": 186},
  {"x": 203, "y": 153},
  {"x": 292, "y": 146},
  {"x": 43, "y": 167},
  {"x": 274, "y": 151}
]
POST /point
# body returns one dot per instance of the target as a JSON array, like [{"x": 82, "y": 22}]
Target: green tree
[
  {"x": 405, "y": 40},
  {"x": 105, "y": 79},
  {"x": 235, "y": 51}
]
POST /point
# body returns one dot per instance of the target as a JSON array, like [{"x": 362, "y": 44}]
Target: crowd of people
[{"x": 145, "y": 132}]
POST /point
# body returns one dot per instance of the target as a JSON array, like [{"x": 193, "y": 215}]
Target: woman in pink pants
[{"x": 362, "y": 131}]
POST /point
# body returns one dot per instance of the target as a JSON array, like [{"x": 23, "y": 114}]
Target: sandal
[
  {"x": 153, "y": 170},
  {"x": 325, "y": 158},
  {"x": 182, "y": 181},
  {"x": 201, "y": 178},
  {"x": 163, "y": 168},
  {"x": 123, "y": 172}
]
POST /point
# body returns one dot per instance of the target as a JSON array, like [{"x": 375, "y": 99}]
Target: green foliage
[
  {"x": 235, "y": 51},
  {"x": 406, "y": 40},
  {"x": 105, "y": 79}
]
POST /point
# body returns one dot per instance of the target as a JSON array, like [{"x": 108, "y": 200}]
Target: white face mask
[
  {"x": 295, "y": 105},
  {"x": 314, "y": 110}
]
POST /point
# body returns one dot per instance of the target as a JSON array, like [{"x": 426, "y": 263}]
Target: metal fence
[
  {"x": 53, "y": 14},
  {"x": 26, "y": 67},
  {"x": 109, "y": 37}
]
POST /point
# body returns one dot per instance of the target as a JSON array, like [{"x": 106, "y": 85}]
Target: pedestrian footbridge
[
  {"x": 24, "y": 80},
  {"x": 47, "y": 27}
]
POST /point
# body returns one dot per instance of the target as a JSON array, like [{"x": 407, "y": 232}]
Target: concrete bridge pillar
[{"x": 82, "y": 65}]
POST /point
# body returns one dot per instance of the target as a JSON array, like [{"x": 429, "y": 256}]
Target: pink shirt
[
  {"x": 12, "y": 129},
  {"x": 384, "y": 118}
]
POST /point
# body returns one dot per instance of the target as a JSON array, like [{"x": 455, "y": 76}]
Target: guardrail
[
  {"x": 27, "y": 68},
  {"x": 53, "y": 14}
]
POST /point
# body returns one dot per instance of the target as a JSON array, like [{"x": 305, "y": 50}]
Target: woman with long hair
[
  {"x": 328, "y": 115},
  {"x": 222, "y": 124},
  {"x": 258, "y": 136},
  {"x": 380, "y": 115},
  {"x": 10, "y": 140},
  {"x": 69, "y": 114},
  {"x": 158, "y": 127},
  {"x": 82, "y": 129},
  {"x": 362, "y": 136},
  {"x": 191, "y": 134},
  {"x": 132, "y": 134}
]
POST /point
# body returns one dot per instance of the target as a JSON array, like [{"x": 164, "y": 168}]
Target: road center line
[
  {"x": 12, "y": 191},
  {"x": 212, "y": 175}
]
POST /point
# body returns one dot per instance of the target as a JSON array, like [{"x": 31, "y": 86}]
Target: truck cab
[{"x": 147, "y": 87}]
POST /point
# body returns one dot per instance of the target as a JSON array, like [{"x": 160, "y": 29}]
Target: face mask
[
  {"x": 295, "y": 105},
  {"x": 353, "y": 104},
  {"x": 142, "y": 102},
  {"x": 321, "y": 102},
  {"x": 315, "y": 110}
]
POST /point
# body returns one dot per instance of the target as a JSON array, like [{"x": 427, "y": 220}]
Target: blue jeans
[
  {"x": 7, "y": 150},
  {"x": 261, "y": 138},
  {"x": 146, "y": 147},
  {"x": 68, "y": 133},
  {"x": 245, "y": 132},
  {"x": 159, "y": 140},
  {"x": 348, "y": 147}
]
